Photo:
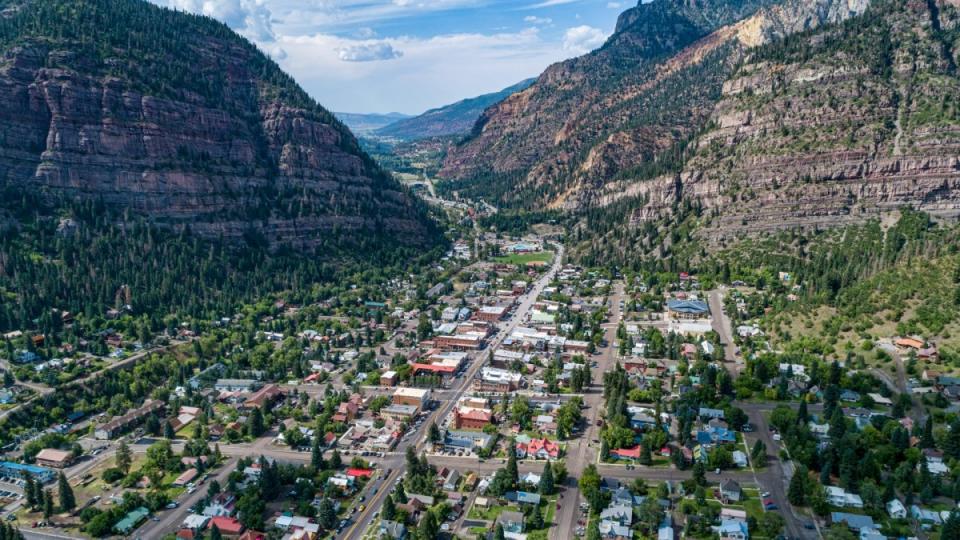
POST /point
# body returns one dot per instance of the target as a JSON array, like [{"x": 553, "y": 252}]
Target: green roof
[{"x": 131, "y": 520}]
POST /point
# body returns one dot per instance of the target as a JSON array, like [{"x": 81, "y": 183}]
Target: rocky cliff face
[
  {"x": 830, "y": 127},
  {"x": 175, "y": 117},
  {"x": 627, "y": 109}
]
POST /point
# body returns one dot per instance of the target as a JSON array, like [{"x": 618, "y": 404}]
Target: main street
[{"x": 375, "y": 500}]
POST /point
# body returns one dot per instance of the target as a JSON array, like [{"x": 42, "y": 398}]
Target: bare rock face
[
  {"x": 820, "y": 132},
  {"x": 625, "y": 110},
  {"x": 244, "y": 157}
]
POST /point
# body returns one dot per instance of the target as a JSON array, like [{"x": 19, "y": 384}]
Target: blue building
[{"x": 10, "y": 469}]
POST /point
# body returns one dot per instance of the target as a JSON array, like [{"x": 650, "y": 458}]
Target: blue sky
[{"x": 411, "y": 55}]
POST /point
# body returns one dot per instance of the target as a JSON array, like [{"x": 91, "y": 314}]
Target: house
[
  {"x": 188, "y": 476},
  {"x": 849, "y": 395},
  {"x": 393, "y": 529},
  {"x": 925, "y": 516},
  {"x": 523, "y": 497},
  {"x": 131, "y": 521},
  {"x": 263, "y": 398},
  {"x": 626, "y": 453},
  {"x": 612, "y": 529},
  {"x": 235, "y": 385},
  {"x": 731, "y": 529},
  {"x": 52, "y": 457},
  {"x": 132, "y": 418},
  {"x": 708, "y": 413},
  {"x": 228, "y": 525},
  {"x": 620, "y": 513},
  {"x": 222, "y": 504},
  {"x": 896, "y": 509},
  {"x": 195, "y": 522},
  {"x": 839, "y": 497},
  {"x": 687, "y": 309},
  {"x": 623, "y": 496},
  {"x": 538, "y": 449},
  {"x": 468, "y": 440},
  {"x": 511, "y": 521},
  {"x": 452, "y": 480},
  {"x": 854, "y": 522},
  {"x": 730, "y": 491},
  {"x": 716, "y": 435},
  {"x": 739, "y": 459}
]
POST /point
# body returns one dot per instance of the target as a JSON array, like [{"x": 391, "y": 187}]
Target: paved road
[
  {"x": 721, "y": 325},
  {"x": 375, "y": 500}
]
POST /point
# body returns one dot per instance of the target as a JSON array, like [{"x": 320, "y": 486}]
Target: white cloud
[
  {"x": 583, "y": 39},
  {"x": 532, "y": 19},
  {"x": 250, "y": 18},
  {"x": 368, "y": 52},
  {"x": 614, "y": 5},
  {"x": 432, "y": 71},
  {"x": 549, "y": 3}
]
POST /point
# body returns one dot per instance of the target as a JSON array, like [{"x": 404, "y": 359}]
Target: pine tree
[
  {"x": 67, "y": 500},
  {"x": 124, "y": 457},
  {"x": 802, "y": 415},
  {"x": 316, "y": 454},
  {"x": 47, "y": 504},
  {"x": 797, "y": 492},
  {"x": 29, "y": 490},
  {"x": 536, "y": 519},
  {"x": 400, "y": 494},
  {"x": 546, "y": 480},
  {"x": 498, "y": 533},
  {"x": 389, "y": 509},
  {"x": 326, "y": 516},
  {"x": 951, "y": 527},
  {"x": 168, "y": 430},
  {"x": 512, "y": 471},
  {"x": 255, "y": 426},
  {"x": 926, "y": 440},
  {"x": 215, "y": 533},
  {"x": 335, "y": 461}
]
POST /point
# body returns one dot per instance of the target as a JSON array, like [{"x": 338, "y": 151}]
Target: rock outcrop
[{"x": 175, "y": 117}]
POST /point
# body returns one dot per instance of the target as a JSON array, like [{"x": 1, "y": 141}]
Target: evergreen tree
[
  {"x": 951, "y": 527},
  {"x": 926, "y": 440},
  {"x": 215, "y": 533},
  {"x": 47, "y": 504},
  {"x": 759, "y": 452},
  {"x": 646, "y": 457},
  {"x": 512, "y": 472},
  {"x": 700, "y": 473},
  {"x": 536, "y": 519},
  {"x": 546, "y": 480},
  {"x": 434, "y": 433},
  {"x": 255, "y": 426},
  {"x": 29, "y": 490},
  {"x": 316, "y": 454},
  {"x": 335, "y": 460},
  {"x": 326, "y": 515},
  {"x": 389, "y": 509},
  {"x": 428, "y": 527},
  {"x": 802, "y": 415},
  {"x": 400, "y": 494},
  {"x": 124, "y": 457},
  {"x": 498, "y": 533},
  {"x": 797, "y": 492},
  {"x": 168, "y": 430},
  {"x": 67, "y": 500}
]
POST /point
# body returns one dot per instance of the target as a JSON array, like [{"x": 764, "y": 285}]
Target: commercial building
[
  {"x": 462, "y": 342},
  {"x": 9, "y": 469},
  {"x": 417, "y": 397},
  {"x": 497, "y": 380},
  {"x": 470, "y": 418},
  {"x": 123, "y": 423},
  {"x": 491, "y": 313},
  {"x": 52, "y": 457},
  {"x": 688, "y": 309}
]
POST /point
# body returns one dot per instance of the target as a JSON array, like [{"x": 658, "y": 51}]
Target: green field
[{"x": 524, "y": 258}]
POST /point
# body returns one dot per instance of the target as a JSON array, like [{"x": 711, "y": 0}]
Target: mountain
[
  {"x": 626, "y": 110},
  {"x": 364, "y": 124},
  {"x": 456, "y": 119},
  {"x": 176, "y": 118}
]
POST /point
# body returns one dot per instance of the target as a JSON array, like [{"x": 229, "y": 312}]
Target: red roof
[
  {"x": 536, "y": 445},
  {"x": 627, "y": 452},
  {"x": 227, "y": 525},
  {"x": 366, "y": 473},
  {"x": 476, "y": 414},
  {"x": 436, "y": 368}
]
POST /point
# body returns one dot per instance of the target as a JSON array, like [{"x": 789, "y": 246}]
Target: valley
[{"x": 701, "y": 282}]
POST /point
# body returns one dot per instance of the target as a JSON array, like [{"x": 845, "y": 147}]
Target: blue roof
[
  {"x": 688, "y": 306},
  {"x": 854, "y": 521},
  {"x": 523, "y": 497}
]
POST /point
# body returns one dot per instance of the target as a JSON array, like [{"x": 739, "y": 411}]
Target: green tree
[
  {"x": 67, "y": 500},
  {"x": 590, "y": 487},
  {"x": 124, "y": 457},
  {"x": 255, "y": 427},
  {"x": 335, "y": 460},
  {"x": 326, "y": 515},
  {"x": 389, "y": 511},
  {"x": 47, "y": 504},
  {"x": 512, "y": 472},
  {"x": 29, "y": 490},
  {"x": 498, "y": 533},
  {"x": 797, "y": 492},
  {"x": 434, "y": 433},
  {"x": 168, "y": 430},
  {"x": 316, "y": 454},
  {"x": 215, "y": 533},
  {"x": 546, "y": 481}
]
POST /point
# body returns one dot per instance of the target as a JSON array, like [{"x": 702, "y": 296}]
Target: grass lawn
[
  {"x": 489, "y": 514},
  {"x": 524, "y": 258}
]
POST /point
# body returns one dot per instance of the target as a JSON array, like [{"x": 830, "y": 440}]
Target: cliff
[{"x": 175, "y": 117}]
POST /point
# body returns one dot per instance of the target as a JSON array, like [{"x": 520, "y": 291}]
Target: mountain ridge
[
  {"x": 176, "y": 117},
  {"x": 448, "y": 120}
]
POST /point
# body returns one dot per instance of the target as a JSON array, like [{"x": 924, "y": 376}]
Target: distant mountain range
[
  {"x": 450, "y": 120},
  {"x": 366, "y": 124}
]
